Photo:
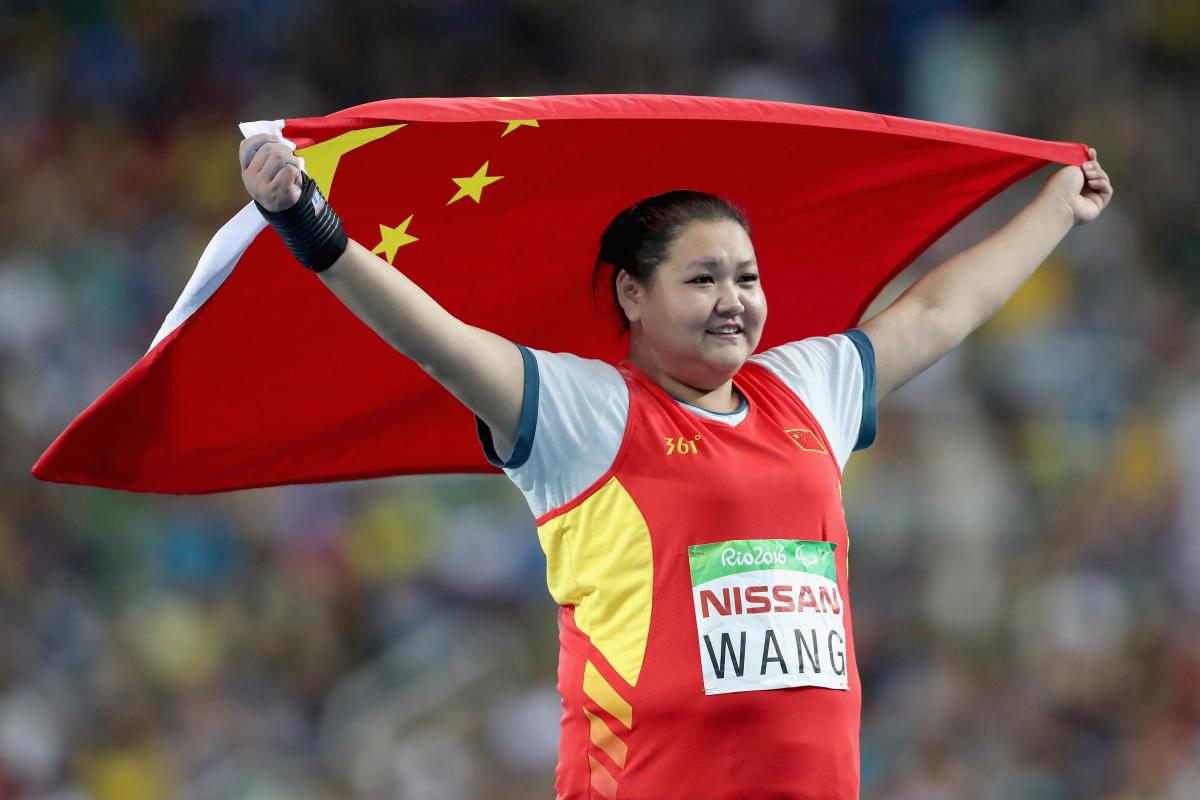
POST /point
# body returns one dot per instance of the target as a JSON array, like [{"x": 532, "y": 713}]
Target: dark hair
[{"x": 639, "y": 238}]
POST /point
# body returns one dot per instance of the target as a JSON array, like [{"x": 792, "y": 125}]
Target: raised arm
[
  {"x": 483, "y": 370},
  {"x": 936, "y": 313}
]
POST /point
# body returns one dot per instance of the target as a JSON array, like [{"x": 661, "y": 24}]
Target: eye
[
  {"x": 750, "y": 277},
  {"x": 700, "y": 278}
]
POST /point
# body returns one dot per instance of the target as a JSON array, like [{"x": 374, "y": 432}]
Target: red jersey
[{"x": 706, "y": 644}]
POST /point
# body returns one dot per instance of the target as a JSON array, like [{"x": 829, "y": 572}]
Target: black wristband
[{"x": 311, "y": 229}]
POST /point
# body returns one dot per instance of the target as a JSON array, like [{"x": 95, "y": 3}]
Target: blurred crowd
[{"x": 1026, "y": 529}]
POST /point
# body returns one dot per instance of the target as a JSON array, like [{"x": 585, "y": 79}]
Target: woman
[{"x": 688, "y": 499}]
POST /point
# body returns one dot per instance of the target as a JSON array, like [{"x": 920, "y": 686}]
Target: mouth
[{"x": 725, "y": 331}]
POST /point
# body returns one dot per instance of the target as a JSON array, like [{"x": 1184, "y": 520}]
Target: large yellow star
[
  {"x": 473, "y": 186},
  {"x": 321, "y": 159},
  {"x": 392, "y": 239},
  {"x": 513, "y": 124}
]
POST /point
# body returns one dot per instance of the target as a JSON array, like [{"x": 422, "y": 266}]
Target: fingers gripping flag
[{"x": 495, "y": 207}]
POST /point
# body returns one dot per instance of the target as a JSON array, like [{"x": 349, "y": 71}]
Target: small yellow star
[
  {"x": 473, "y": 186},
  {"x": 513, "y": 124},
  {"x": 393, "y": 239}
]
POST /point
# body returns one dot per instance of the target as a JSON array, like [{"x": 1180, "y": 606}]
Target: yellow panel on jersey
[
  {"x": 602, "y": 781},
  {"x": 604, "y": 695},
  {"x": 599, "y": 559},
  {"x": 603, "y": 737}
]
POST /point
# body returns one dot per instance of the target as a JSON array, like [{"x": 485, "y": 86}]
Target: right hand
[{"x": 270, "y": 171}]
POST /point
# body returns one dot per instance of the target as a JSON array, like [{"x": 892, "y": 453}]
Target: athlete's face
[{"x": 709, "y": 282}]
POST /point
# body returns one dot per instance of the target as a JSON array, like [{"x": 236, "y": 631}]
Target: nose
[{"x": 729, "y": 303}]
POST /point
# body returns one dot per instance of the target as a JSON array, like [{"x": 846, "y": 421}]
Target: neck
[{"x": 721, "y": 399}]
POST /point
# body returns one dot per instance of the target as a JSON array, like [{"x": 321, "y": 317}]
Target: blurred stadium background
[{"x": 1026, "y": 529}]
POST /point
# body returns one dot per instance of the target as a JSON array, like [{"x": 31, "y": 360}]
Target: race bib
[{"x": 769, "y": 615}]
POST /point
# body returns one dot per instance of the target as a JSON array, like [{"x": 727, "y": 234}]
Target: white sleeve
[
  {"x": 572, "y": 422},
  {"x": 835, "y": 377}
]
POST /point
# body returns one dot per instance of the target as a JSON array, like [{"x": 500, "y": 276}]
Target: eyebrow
[{"x": 707, "y": 261}]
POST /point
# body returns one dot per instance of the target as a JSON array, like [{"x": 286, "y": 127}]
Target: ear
[{"x": 630, "y": 295}]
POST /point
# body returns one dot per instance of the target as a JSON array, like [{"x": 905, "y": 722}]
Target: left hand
[{"x": 1085, "y": 190}]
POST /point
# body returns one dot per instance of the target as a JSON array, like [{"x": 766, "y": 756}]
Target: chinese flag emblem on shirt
[
  {"x": 495, "y": 207},
  {"x": 805, "y": 440}
]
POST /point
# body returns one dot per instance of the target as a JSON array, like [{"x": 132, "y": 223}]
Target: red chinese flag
[{"x": 495, "y": 206}]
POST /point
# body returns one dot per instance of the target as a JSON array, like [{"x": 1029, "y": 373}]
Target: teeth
[{"x": 724, "y": 330}]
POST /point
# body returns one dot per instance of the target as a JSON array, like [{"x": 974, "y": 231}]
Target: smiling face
[{"x": 708, "y": 283}]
